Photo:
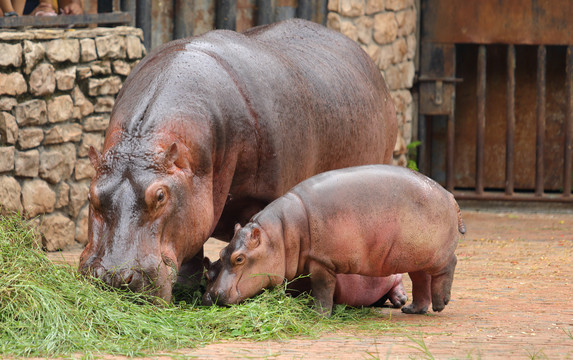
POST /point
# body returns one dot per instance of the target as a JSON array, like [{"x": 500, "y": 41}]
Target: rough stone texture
[
  {"x": 47, "y": 118},
  {"x": 58, "y": 231},
  {"x": 87, "y": 50},
  {"x": 100, "y": 68},
  {"x": 7, "y": 103},
  {"x": 10, "y": 55},
  {"x": 43, "y": 80},
  {"x": 120, "y": 67},
  {"x": 57, "y": 162},
  {"x": 61, "y": 50},
  {"x": 90, "y": 139},
  {"x": 27, "y": 163},
  {"x": 400, "y": 76},
  {"x": 63, "y": 133},
  {"x": 96, "y": 123},
  {"x": 112, "y": 46},
  {"x": 33, "y": 112},
  {"x": 351, "y": 8},
  {"x": 37, "y": 197},
  {"x": 12, "y": 84},
  {"x": 386, "y": 30},
  {"x": 66, "y": 78},
  {"x": 10, "y": 195},
  {"x": 6, "y": 158},
  {"x": 8, "y": 129},
  {"x": 81, "y": 102},
  {"x": 104, "y": 104},
  {"x": 84, "y": 169},
  {"x": 82, "y": 226},
  {"x": 33, "y": 53},
  {"x": 30, "y": 137},
  {"x": 62, "y": 195},
  {"x": 60, "y": 108},
  {"x": 78, "y": 197},
  {"x": 374, "y": 6},
  {"x": 106, "y": 86},
  {"x": 134, "y": 47}
]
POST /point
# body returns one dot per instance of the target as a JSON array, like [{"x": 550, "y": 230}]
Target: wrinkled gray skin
[
  {"x": 207, "y": 131},
  {"x": 373, "y": 220}
]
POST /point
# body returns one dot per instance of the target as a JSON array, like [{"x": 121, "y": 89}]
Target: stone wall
[
  {"x": 386, "y": 30},
  {"x": 57, "y": 89}
]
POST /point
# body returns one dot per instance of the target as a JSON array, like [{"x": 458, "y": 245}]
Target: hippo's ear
[
  {"x": 95, "y": 157},
  {"x": 207, "y": 263},
  {"x": 237, "y": 227},
  {"x": 255, "y": 238},
  {"x": 171, "y": 155}
]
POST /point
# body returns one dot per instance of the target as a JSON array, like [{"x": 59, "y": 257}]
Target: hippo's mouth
[{"x": 171, "y": 266}]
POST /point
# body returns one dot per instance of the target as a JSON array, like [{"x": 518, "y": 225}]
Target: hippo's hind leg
[
  {"x": 442, "y": 285},
  {"x": 421, "y": 284}
]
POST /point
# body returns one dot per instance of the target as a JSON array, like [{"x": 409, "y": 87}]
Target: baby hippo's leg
[
  {"x": 397, "y": 295},
  {"x": 322, "y": 283},
  {"x": 421, "y": 285},
  {"x": 442, "y": 285}
]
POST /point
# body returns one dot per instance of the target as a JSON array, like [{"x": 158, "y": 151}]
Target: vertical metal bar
[
  {"x": 568, "y": 143},
  {"x": 128, "y": 6},
  {"x": 450, "y": 152},
  {"x": 423, "y": 148},
  {"x": 285, "y": 9},
  {"x": 480, "y": 131},
  {"x": 265, "y": 12},
  {"x": 184, "y": 19},
  {"x": 540, "y": 141},
  {"x": 510, "y": 118},
  {"x": 226, "y": 16},
  {"x": 143, "y": 21},
  {"x": 321, "y": 11},
  {"x": 304, "y": 9}
]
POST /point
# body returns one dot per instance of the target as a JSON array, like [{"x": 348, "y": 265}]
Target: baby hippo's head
[{"x": 250, "y": 263}]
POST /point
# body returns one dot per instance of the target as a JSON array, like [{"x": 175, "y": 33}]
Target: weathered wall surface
[
  {"x": 57, "y": 89},
  {"x": 386, "y": 30}
]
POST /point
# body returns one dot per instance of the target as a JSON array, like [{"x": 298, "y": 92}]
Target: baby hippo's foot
[
  {"x": 414, "y": 308},
  {"x": 397, "y": 295}
]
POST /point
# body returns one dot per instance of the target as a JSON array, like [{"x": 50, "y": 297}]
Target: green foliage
[
  {"x": 412, "y": 154},
  {"x": 48, "y": 309}
]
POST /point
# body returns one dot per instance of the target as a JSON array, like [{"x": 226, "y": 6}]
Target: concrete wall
[
  {"x": 386, "y": 30},
  {"x": 57, "y": 89}
]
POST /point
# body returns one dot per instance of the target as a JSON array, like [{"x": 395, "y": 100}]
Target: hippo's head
[
  {"x": 247, "y": 265},
  {"x": 146, "y": 209}
]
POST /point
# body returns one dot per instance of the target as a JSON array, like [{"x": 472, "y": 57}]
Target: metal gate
[{"x": 496, "y": 98}]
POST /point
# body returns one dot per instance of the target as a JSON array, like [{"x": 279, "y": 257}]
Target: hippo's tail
[{"x": 461, "y": 224}]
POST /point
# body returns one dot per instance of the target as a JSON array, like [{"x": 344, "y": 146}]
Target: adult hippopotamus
[
  {"x": 374, "y": 220},
  {"x": 207, "y": 131},
  {"x": 351, "y": 289}
]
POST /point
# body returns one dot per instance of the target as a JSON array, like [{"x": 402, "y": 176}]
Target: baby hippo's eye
[{"x": 160, "y": 195}]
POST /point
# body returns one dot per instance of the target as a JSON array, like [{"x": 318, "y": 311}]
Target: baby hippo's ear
[
  {"x": 237, "y": 227},
  {"x": 255, "y": 238}
]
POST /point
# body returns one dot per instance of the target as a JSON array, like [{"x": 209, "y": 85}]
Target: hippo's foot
[
  {"x": 414, "y": 309},
  {"x": 442, "y": 286},
  {"x": 421, "y": 283},
  {"x": 397, "y": 295}
]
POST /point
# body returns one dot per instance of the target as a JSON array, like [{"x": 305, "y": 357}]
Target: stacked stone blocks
[
  {"x": 386, "y": 30},
  {"x": 57, "y": 89}
]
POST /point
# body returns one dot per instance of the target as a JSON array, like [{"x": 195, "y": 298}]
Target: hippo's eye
[
  {"x": 160, "y": 196},
  {"x": 239, "y": 260}
]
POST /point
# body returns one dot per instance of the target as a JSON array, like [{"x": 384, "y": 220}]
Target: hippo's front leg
[{"x": 322, "y": 283}]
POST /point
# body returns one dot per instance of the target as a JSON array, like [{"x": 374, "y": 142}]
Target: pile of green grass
[{"x": 48, "y": 309}]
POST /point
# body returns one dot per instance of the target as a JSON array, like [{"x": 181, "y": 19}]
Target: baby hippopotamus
[{"x": 374, "y": 220}]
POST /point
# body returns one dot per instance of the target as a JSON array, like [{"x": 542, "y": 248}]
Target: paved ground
[{"x": 512, "y": 298}]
